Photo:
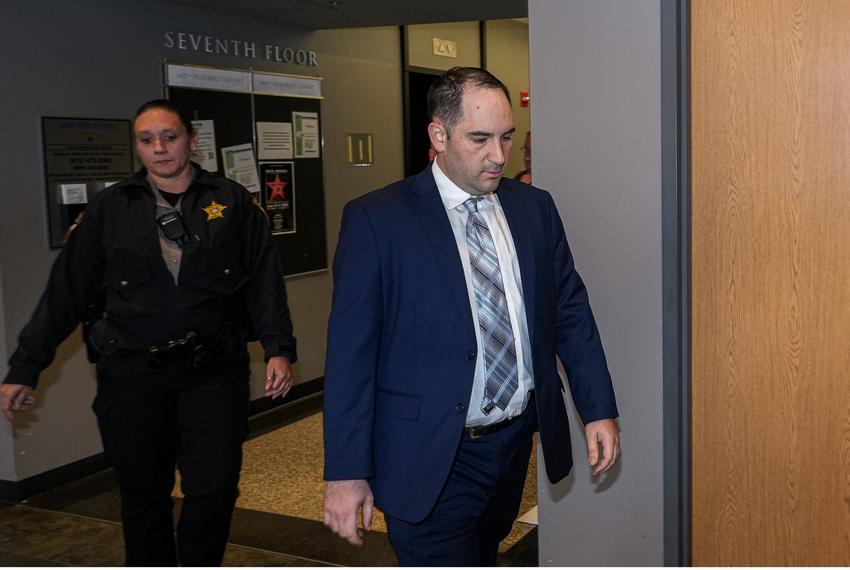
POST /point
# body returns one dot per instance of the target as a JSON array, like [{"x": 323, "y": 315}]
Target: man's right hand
[
  {"x": 14, "y": 398},
  {"x": 343, "y": 501}
]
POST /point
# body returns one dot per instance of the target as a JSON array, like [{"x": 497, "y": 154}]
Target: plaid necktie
[{"x": 494, "y": 322}]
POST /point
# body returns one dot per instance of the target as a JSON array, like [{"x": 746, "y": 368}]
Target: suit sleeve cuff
[
  {"x": 347, "y": 475},
  {"x": 601, "y": 413}
]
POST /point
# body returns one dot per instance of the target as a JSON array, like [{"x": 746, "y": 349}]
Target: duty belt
[{"x": 190, "y": 346}]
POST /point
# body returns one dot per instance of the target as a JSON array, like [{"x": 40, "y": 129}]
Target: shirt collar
[{"x": 450, "y": 193}]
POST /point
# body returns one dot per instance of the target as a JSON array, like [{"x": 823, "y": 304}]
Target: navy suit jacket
[{"x": 402, "y": 345}]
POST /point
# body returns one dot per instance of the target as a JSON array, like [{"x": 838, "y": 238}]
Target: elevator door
[{"x": 417, "y": 142}]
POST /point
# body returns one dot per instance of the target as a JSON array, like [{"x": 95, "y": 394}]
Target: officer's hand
[
  {"x": 606, "y": 434},
  {"x": 14, "y": 398},
  {"x": 343, "y": 501},
  {"x": 278, "y": 377}
]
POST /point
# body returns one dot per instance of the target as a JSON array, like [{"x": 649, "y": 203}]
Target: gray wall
[
  {"x": 595, "y": 87},
  {"x": 101, "y": 58}
]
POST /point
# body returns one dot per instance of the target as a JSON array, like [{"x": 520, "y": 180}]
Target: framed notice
[
  {"x": 279, "y": 196},
  {"x": 204, "y": 153},
  {"x": 240, "y": 166},
  {"x": 81, "y": 158},
  {"x": 274, "y": 141},
  {"x": 307, "y": 142}
]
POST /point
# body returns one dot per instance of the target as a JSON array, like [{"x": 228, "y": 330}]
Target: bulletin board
[
  {"x": 264, "y": 131},
  {"x": 81, "y": 158}
]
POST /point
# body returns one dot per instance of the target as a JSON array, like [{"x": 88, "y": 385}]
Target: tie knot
[{"x": 471, "y": 204}]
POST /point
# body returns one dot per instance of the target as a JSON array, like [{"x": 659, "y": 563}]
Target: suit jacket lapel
[
  {"x": 517, "y": 218},
  {"x": 435, "y": 222}
]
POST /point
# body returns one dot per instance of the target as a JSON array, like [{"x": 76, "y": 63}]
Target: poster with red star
[{"x": 278, "y": 183}]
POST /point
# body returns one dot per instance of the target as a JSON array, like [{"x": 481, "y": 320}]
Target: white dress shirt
[{"x": 453, "y": 198}]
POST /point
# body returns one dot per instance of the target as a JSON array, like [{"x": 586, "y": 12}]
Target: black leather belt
[{"x": 475, "y": 432}]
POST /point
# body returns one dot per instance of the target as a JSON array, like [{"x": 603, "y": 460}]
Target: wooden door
[{"x": 770, "y": 124}]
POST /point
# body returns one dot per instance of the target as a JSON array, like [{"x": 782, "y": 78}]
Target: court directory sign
[{"x": 81, "y": 158}]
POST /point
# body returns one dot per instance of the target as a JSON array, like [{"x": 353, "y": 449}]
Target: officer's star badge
[{"x": 214, "y": 210}]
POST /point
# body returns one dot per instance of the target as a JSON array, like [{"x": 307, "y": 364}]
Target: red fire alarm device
[{"x": 523, "y": 98}]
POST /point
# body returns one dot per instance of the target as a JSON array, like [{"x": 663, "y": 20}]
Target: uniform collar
[{"x": 199, "y": 176}]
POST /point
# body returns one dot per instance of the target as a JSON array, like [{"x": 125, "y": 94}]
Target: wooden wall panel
[{"x": 770, "y": 282}]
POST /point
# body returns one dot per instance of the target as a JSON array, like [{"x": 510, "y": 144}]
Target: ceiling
[{"x": 326, "y": 14}]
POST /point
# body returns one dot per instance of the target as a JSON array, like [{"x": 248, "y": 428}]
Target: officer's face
[
  {"x": 474, "y": 154},
  {"x": 162, "y": 143}
]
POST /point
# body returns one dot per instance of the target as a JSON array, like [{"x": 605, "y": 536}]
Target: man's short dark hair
[
  {"x": 445, "y": 97},
  {"x": 169, "y": 106}
]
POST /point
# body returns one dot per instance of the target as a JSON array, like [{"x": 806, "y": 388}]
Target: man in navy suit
[{"x": 454, "y": 291}]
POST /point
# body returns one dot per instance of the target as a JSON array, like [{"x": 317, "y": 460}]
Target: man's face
[
  {"x": 162, "y": 143},
  {"x": 474, "y": 154}
]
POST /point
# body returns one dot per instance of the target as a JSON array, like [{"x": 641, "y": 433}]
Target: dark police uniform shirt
[{"x": 113, "y": 258}]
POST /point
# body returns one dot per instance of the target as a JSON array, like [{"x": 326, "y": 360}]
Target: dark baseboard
[
  {"x": 303, "y": 400},
  {"x": 264, "y": 415},
  {"x": 14, "y": 491},
  {"x": 299, "y": 391}
]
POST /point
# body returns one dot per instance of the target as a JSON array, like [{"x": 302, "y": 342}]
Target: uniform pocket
[
  {"x": 126, "y": 271},
  {"x": 221, "y": 276}
]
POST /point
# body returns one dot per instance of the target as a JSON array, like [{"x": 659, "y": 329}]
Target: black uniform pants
[{"x": 152, "y": 420}]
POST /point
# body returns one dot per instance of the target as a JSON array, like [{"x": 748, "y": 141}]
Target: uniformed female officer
[{"x": 173, "y": 270}]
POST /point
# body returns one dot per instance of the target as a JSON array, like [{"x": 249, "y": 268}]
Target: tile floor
[{"x": 277, "y": 520}]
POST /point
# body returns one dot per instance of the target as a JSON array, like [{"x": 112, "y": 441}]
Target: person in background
[
  {"x": 453, "y": 292},
  {"x": 525, "y": 175},
  {"x": 432, "y": 154},
  {"x": 172, "y": 271}
]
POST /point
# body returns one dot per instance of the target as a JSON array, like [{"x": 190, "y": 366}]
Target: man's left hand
[
  {"x": 278, "y": 377},
  {"x": 606, "y": 434}
]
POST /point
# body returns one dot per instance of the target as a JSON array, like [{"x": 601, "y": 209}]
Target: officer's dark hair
[
  {"x": 166, "y": 105},
  {"x": 445, "y": 97}
]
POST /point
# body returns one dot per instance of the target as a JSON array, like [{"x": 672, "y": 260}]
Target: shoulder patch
[{"x": 260, "y": 208}]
